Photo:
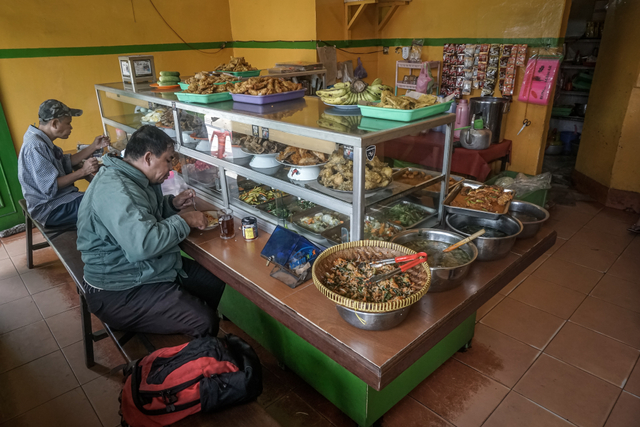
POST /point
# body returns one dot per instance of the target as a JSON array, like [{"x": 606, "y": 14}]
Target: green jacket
[{"x": 128, "y": 232}]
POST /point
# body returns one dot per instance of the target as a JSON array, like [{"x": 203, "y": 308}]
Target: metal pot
[
  {"x": 442, "y": 278},
  {"x": 489, "y": 248},
  {"x": 493, "y": 111},
  {"x": 529, "y": 228},
  {"x": 475, "y": 139},
  {"x": 373, "y": 321}
]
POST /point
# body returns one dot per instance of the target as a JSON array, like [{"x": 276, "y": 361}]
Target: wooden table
[{"x": 364, "y": 373}]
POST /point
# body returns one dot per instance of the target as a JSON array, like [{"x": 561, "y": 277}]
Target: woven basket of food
[{"x": 341, "y": 274}]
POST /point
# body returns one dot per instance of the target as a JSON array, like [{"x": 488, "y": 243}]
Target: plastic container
[
  {"x": 404, "y": 115},
  {"x": 203, "y": 99},
  {"x": 268, "y": 99},
  {"x": 538, "y": 197},
  {"x": 462, "y": 117},
  {"x": 253, "y": 73},
  {"x": 443, "y": 128},
  {"x": 568, "y": 137}
]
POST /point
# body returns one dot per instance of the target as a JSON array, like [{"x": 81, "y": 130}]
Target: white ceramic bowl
[
  {"x": 169, "y": 131},
  {"x": 264, "y": 161},
  {"x": 304, "y": 173},
  {"x": 267, "y": 171},
  {"x": 237, "y": 152}
]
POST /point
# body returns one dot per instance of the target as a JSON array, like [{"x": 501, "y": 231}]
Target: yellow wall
[
  {"x": 609, "y": 150},
  {"x": 26, "y": 82}
]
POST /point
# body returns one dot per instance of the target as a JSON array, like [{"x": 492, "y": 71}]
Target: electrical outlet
[{"x": 385, "y": 50}]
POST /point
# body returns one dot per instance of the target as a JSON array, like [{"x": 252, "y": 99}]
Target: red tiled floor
[
  {"x": 410, "y": 413},
  {"x": 548, "y": 296},
  {"x": 597, "y": 239},
  {"x": 569, "y": 275},
  {"x": 25, "y": 344},
  {"x": 498, "y": 356},
  {"x": 45, "y": 277},
  {"x": 18, "y": 313},
  {"x": 626, "y": 267},
  {"x": 626, "y": 413},
  {"x": 595, "y": 353},
  {"x": 619, "y": 292},
  {"x": 565, "y": 229},
  {"x": 488, "y": 306},
  {"x": 633, "y": 383},
  {"x": 516, "y": 410},
  {"x": 585, "y": 256},
  {"x": 292, "y": 411},
  {"x": 634, "y": 247},
  {"x": 523, "y": 322},
  {"x": 460, "y": 394},
  {"x": 609, "y": 225},
  {"x": 569, "y": 392},
  {"x": 571, "y": 215},
  {"x": 609, "y": 319}
]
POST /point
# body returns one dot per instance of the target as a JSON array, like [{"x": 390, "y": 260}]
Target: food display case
[{"x": 278, "y": 161}]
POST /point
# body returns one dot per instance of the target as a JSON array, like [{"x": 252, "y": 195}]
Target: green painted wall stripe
[{"x": 46, "y": 52}]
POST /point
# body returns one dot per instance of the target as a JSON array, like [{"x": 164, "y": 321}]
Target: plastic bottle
[{"x": 462, "y": 117}]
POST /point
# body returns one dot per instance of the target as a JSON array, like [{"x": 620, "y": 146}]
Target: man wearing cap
[{"x": 46, "y": 174}]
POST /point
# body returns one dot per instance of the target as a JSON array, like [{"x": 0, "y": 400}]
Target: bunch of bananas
[
  {"x": 339, "y": 123},
  {"x": 350, "y": 94}
]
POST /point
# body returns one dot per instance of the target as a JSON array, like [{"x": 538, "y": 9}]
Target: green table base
[{"x": 353, "y": 396}]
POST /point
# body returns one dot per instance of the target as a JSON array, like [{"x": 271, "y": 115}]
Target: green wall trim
[{"x": 47, "y": 52}]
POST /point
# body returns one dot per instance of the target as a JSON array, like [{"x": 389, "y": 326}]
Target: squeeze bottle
[{"x": 462, "y": 117}]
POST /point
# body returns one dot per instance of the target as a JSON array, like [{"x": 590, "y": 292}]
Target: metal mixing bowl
[
  {"x": 489, "y": 248},
  {"x": 529, "y": 228},
  {"x": 373, "y": 321},
  {"x": 442, "y": 278}
]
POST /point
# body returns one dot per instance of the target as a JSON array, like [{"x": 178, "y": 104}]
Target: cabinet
[{"x": 294, "y": 123}]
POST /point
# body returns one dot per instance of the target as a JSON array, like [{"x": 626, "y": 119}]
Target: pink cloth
[{"x": 427, "y": 150}]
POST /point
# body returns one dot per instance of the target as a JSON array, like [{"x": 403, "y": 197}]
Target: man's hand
[
  {"x": 184, "y": 199},
  {"x": 100, "y": 142},
  {"x": 195, "y": 219},
  {"x": 90, "y": 166}
]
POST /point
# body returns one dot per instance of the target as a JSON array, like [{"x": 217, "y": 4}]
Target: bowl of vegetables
[
  {"x": 406, "y": 214},
  {"x": 447, "y": 269}
]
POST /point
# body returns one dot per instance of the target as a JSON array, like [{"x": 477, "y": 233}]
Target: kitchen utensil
[
  {"x": 475, "y": 139},
  {"x": 442, "y": 278},
  {"x": 373, "y": 321},
  {"x": 489, "y": 248},
  {"x": 422, "y": 257},
  {"x": 397, "y": 260},
  {"x": 493, "y": 111},
  {"x": 464, "y": 241},
  {"x": 525, "y": 123},
  {"x": 529, "y": 227}
]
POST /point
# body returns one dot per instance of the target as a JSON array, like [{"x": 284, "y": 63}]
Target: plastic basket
[
  {"x": 253, "y": 73},
  {"x": 404, "y": 115},
  {"x": 203, "y": 99},
  {"x": 538, "y": 197}
]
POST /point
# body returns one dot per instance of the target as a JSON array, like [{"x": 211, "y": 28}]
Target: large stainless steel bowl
[
  {"x": 529, "y": 228},
  {"x": 489, "y": 248},
  {"x": 373, "y": 321},
  {"x": 442, "y": 278}
]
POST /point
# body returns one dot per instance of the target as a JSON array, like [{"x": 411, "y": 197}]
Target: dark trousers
[
  {"x": 66, "y": 214},
  {"x": 187, "y": 306}
]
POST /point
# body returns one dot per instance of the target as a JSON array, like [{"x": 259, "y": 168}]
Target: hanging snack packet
[
  {"x": 466, "y": 87},
  {"x": 416, "y": 50},
  {"x": 482, "y": 66},
  {"x": 469, "y": 49},
  {"x": 506, "y": 50},
  {"x": 460, "y": 48},
  {"x": 504, "y": 61},
  {"x": 492, "y": 72},
  {"x": 494, "y": 50},
  {"x": 494, "y": 61},
  {"x": 521, "y": 59}
]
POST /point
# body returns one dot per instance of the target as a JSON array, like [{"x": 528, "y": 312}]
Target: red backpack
[{"x": 206, "y": 374}]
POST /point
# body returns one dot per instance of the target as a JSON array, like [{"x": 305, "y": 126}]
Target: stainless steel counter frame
[{"x": 225, "y": 110}]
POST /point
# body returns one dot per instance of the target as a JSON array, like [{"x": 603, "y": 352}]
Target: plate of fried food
[
  {"x": 304, "y": 164},
  {"x": 212, "y": 219},
  {"x": 484, "y": 201},
  {"x": 404, "y": 108},
  {"x": 266, "y": 90},
  {"x": 337, "y": 174},
  {"x": 238, "y": 67}
]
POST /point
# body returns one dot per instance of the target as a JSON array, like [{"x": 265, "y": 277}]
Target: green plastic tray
[
  {"x": 203, "y": 99},
  {"x": 253, "y": 73},
  {"x": 183, "y": 85},
  {"x": 404, "y": 115},
  {"x": 538, "y": 197}
]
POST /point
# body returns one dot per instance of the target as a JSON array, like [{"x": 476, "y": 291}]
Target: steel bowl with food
[
  {"x": 342, "y": 274},
  {"x": 500, "y": 234},
  {"x": 531, "y": 216},
  {"x": 447, "y": 269}
]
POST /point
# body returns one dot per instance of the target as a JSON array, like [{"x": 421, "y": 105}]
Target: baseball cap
[{"x": 54, "y": 109}]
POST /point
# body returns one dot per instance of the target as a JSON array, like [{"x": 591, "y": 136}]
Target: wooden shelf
[
  {"x": 385, "y": 9},
  {"x": 401, "y": 85},
  {"x": 570, "y": 118}
]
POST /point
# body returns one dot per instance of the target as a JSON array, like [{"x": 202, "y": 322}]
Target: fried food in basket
[
  {"x": 257, "y": 145},
  {"x": 488, "y": 198},
  {"x": 388, "y": 100},
  {"x": 301, "y": 157},
  {"x": 349, "y": 279},
  {"x": 236, "y": 64},
  {"x": 259, "y": 86},
  {"x": 338, "y": 173},
  {"x": 204, "y": 76}
]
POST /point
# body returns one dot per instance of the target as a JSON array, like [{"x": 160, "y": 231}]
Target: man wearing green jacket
[{"x": 128, "y": 233}]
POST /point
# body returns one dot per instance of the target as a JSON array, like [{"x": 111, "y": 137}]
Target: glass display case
[{"x": 301, "y": 164}]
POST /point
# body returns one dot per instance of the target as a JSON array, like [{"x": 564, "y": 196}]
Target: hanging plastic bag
[
  {"x": 347, "y": 72},
  {"x": 360, "y": 73},
  {"x": 539, "y": 78},
  {"x": 425, "y": 81}
]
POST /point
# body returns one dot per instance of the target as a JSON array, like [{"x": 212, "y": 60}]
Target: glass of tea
[{"x": 227, "y": 229}]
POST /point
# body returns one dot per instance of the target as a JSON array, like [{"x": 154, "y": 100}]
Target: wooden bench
[{"x": 63, "y": 241}]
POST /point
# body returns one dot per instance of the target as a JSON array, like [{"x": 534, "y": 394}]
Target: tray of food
[
  {"x": 259, "y": 194},
  {"x": 294, "y": 156},
  {"x": 413, "y": 176},
  {"x": 483, "y": 201},
  {"x": 404, "y": 108},
  {"x": 317, "y": 220},
  {"x": 238, "y": 67},
  {"x": 203, "y": 98},
  {"x": 337, "y": 174},
  {"x": 286, "y": 207},
  {"x": 406, "y": 214},
  {"x": 255, "y": 145},
  {"x": 279, "y": 110},
  {"x": 268, "y": 99},
  {"x": 374, "y": 229}
]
